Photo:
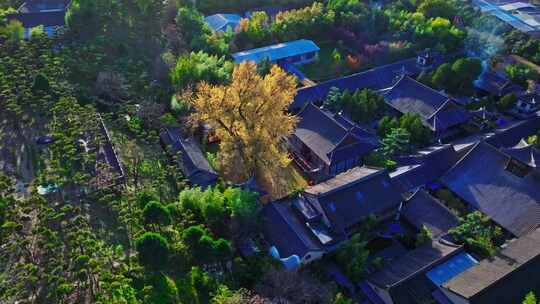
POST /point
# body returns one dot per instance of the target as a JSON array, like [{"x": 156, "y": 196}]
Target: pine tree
[{"x": 395, "y": 142}]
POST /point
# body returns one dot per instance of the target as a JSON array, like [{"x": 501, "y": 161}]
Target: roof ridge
[
  {"x": 439, "y": 109},
  {"x": 329, "y": 115},
  {"x": 422, "y": 85},
  {"x": 357, "y": 74},
  {"x": 463, "y": 157},
  {"x": 352, "y": 183},
  {"x": 458, "y": 248},
  {"x": 500, "y": 255},
  {"x": 436, "y": 200},
  {"x": 348, "y": 132}
]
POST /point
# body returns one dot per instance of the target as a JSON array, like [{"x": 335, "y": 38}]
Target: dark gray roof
[
  {"x": 480, "y": 178},
  {"x": 423, "y": 209},
  {"x": 438, "y": 111},
  {"x": 531, "y": 99},
  {"x": 424, "y": 168},
  {"x": 506, "y": 277},
  {"x": 411, "y": 96},
  {"x": 413, "y": 263},
  {"x": 512, "y": 135},
  {"x": 193, "y": 163},
  {"x": 496, "y": 84},
  {"x": 32, "y": 6},
  {"x": 108, "y": 152},
  {"x": 283, "y": 229},
  {"x": 41, "y": 12},
  {"x": 376, "y": 79},
  {"x": 323, "y": 132},
  {"x": 34, "y": 19},
  {"x": 525, "y": 153},
  {"x": 353, "y": 195}
]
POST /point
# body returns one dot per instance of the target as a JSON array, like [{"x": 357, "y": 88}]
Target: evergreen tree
[
  {"x": 41, "y": 83},
  {"x": 397, "y": 141},
  {"x": 153, "y": 251},
  {"x": 530, "y": 298},
  {"x": 154, "y": 213}
]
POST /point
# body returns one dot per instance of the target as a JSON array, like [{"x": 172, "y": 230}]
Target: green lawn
[{"x": 325, "y": 68}]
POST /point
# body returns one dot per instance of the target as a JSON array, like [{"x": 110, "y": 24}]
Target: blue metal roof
[
  {"x": 451, "y": 268},
  {"x": 277, "y": 51},
  {"x": 220, "y": 22}
]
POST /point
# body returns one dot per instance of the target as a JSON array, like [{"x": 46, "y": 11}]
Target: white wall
[{"x": 311, "y": 256}]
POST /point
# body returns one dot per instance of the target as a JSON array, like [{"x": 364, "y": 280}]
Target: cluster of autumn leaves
[{"x": 250, "y": 117}]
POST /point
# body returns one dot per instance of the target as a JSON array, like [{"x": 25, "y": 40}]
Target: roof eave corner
[{"x": 448, "y": 100}]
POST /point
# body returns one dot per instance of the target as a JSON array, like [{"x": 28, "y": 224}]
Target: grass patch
[{"x": 326, "y": 68}]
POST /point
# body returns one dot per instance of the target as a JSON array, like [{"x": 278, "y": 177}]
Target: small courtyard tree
[
  {"x": 530, "y": 298},
  {"x": 397, "y": 141},
  {"x": 477, "y": 231}
]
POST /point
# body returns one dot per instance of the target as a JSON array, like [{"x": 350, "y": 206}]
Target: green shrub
[{"x": 41, "y": 83}]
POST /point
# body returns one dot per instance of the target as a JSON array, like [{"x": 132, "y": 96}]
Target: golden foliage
[{"x": 250, "y": 117}]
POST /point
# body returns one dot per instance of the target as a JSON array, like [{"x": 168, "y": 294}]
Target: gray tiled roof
[
  {"x": 41, "y": 12},
  {"x": 415, "y": 262},
  {"x": 284, "y": 230},
  {"x": 510, "y": 136},
  {"x": 411, "y": 96},
  {"x": 423, "y": 209},
  {"x": 437, "y": 111},
  {"x": 34, "y": 19},
  {"x": 321, "y": 132},
  {"x": 43, "y": 5},
  {"x": 193, "y": 163},
  {"x": 353, "y": 195},
  {"x": 506, "y": 277},
  {"x": 378, "y": 78},
  {"x": 424, "y": 169},
  {"x": 525, "y": 153},
  {"x": 496, "y": 83},
  {"x": 480, "y": 178}
]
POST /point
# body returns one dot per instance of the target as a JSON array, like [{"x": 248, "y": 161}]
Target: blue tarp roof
[
  {"x": 220, "y": 22},
  {"x": 451, "y": 268},
  {"x": 277, "y": 51}
]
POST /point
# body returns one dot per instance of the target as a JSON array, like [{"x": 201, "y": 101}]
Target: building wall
[
  {"x": 454, "y": 298},
  {"x": 301, "y": 59},
  {"x": 344, "y": 165},
  {"x": 311, "y": 256}
]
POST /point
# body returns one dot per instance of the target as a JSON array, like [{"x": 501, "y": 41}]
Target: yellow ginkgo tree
[{"x": 250, "y": 117}]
